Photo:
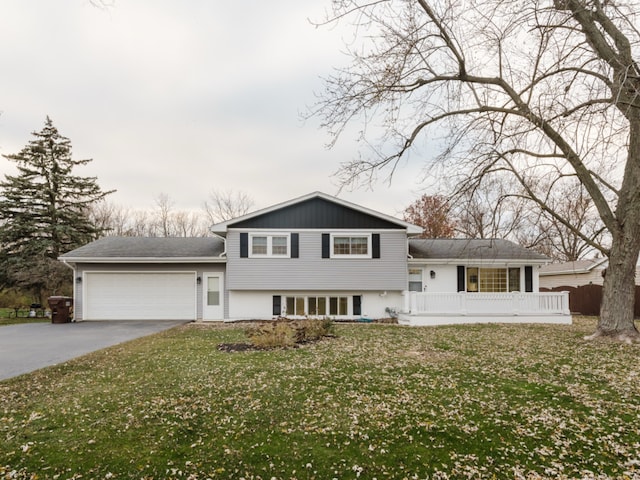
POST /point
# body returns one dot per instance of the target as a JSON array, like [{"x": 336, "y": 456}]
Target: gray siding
[
  {"x": 199, "y": 268},
  {"x": 312, "y": 272}
]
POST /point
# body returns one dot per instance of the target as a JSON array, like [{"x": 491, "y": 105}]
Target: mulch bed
[
  {"x": 237, "y": 347},
  {"x": 248, "y": 347}
]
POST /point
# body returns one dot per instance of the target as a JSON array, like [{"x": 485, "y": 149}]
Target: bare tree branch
[
  {"x": 546, "y": 92},
  {"x": 227, "y": 204}
]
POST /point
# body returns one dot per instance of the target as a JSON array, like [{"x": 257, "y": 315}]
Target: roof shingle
[
  {"x": 480, "y": 249},
  {"x": 144, "y": 247}
]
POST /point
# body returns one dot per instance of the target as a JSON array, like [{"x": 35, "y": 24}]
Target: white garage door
[{"x": 140, "y": 296}]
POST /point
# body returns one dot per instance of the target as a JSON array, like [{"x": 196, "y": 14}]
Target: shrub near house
[{"x": 287, "y": 333}]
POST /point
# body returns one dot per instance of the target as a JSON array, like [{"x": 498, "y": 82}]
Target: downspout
[
  {"x": 224, "y": 241},
  {"x": 408, "y": 254},
  {"x": 74, "y": 273},
  {"x": 75, "y": 293}
]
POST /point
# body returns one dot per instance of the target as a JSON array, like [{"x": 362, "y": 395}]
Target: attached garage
[
  {"x": 140, "y": 278},
  {"x": 140, "y": 295}
]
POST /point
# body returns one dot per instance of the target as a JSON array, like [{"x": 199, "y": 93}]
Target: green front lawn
[
  {"x": 10, "y": 316},
  {"x": 378, "y": 401}
]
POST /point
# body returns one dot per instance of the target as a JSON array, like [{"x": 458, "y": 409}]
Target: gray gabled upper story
[{"x": 316, "y": 242}]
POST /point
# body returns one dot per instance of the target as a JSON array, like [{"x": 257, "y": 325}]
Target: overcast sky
[{"x": 182, "y": 97}]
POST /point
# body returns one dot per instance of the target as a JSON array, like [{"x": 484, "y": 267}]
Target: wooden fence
[{"x": 586, "y": 299}]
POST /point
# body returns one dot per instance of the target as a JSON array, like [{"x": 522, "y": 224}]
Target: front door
[
  {"x": 213, "y": 293},
  {"x": 415, "y": 280}
]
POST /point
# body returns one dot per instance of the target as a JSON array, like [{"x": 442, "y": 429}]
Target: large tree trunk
[
  {"x": 618, "y": 295},
  {"x": 618, "y": 300}
]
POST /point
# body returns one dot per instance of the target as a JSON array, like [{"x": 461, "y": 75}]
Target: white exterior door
[
  {"x": 213, "y": 296},
  {"x": 416, "y": 279},
  {"x": 139, "y": 296}
]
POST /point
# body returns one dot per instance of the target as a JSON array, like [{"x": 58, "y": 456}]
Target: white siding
[
  {"x": 446, "y": 275},
  {"x": 259, "y": 304},
  {"x": 446, "y": 278},
  {"x": 572, "y": 280}
]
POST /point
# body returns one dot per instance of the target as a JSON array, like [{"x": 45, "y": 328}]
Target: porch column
[
  {"x": 407, "y": 301},
  {"x": 565, "y": 303}
]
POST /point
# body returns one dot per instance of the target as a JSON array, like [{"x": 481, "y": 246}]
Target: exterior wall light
[{"x": 432, "y": 274}]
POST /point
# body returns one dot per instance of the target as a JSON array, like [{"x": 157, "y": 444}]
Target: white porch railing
[{"x": 481, "y": 304}]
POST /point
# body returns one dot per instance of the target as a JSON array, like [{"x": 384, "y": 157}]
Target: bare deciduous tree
[
  {"x": 538, "y": 90},
  {"x": 189, "y": 224},
  {"x": 227, "y": 204},
  {"x": 562, "y": 243},
  {"x": 163, "y": 214},
  {"x": 490, "y": 209},
  {"x": 497, "y": 209},
  {"x": 163, "y": 221}
]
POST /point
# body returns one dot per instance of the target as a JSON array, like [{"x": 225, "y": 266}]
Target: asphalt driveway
[{"x": 30, "y": 346}]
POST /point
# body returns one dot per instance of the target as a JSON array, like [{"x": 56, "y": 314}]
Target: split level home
[{"x": 313, "y": 256}]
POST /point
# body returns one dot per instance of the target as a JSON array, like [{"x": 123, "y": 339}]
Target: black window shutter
[
  {"x": 326, "y": 241},
  {"x": 277, "y": 305},
  {"x": 375, "y": 245},
  {"x": 295, "y": 240},
  {"x": 244, "y": 245},
  {"x": 357, "y": 305},
  {"x": 461, "y": 280},
  {"x": 528, "y": 279}
]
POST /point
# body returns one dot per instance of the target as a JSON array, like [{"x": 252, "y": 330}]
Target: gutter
[
  {"x": 479, "y": 260},
  {"x": 144, "y": 259},
  {"x": 73, "y": 269}
]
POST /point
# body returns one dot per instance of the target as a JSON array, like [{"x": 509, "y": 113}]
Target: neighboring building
[
  {"x": 316, "y": 255},
  {"x": 576, "y": 274},
  {"x": 583, "y": 280}
]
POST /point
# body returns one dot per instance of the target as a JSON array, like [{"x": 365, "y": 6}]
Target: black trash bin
[{"x": 61, "y": 308}]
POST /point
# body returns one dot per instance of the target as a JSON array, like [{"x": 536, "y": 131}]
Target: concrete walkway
[{"x": 30, "y": 346}]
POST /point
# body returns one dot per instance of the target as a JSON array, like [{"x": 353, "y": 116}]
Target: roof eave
[
  {"x": 415, "y": 259},
  {"x": 576, "y": 271},
  {"x": 77, "y": 260},
  {"x": 222, "y": 227}
]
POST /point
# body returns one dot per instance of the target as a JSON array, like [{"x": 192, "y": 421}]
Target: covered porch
[{"x": 422, "y": 308}]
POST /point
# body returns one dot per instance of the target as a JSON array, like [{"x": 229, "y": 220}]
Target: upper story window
[
  {"x": 269, "y": 245},
  {"x": 351, "y": 246}
]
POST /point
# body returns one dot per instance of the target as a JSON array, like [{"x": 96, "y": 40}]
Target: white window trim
[
  {"x": 350, "y": 235},
  {"x": 327, "y": 298},
  {"x": 422, "y": 278},
  {"x": 269, "y": 236},
  {"x": 505, "y": 268}
]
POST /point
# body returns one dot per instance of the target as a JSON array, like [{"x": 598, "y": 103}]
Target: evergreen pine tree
[{"x": 44, "y": 212}]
